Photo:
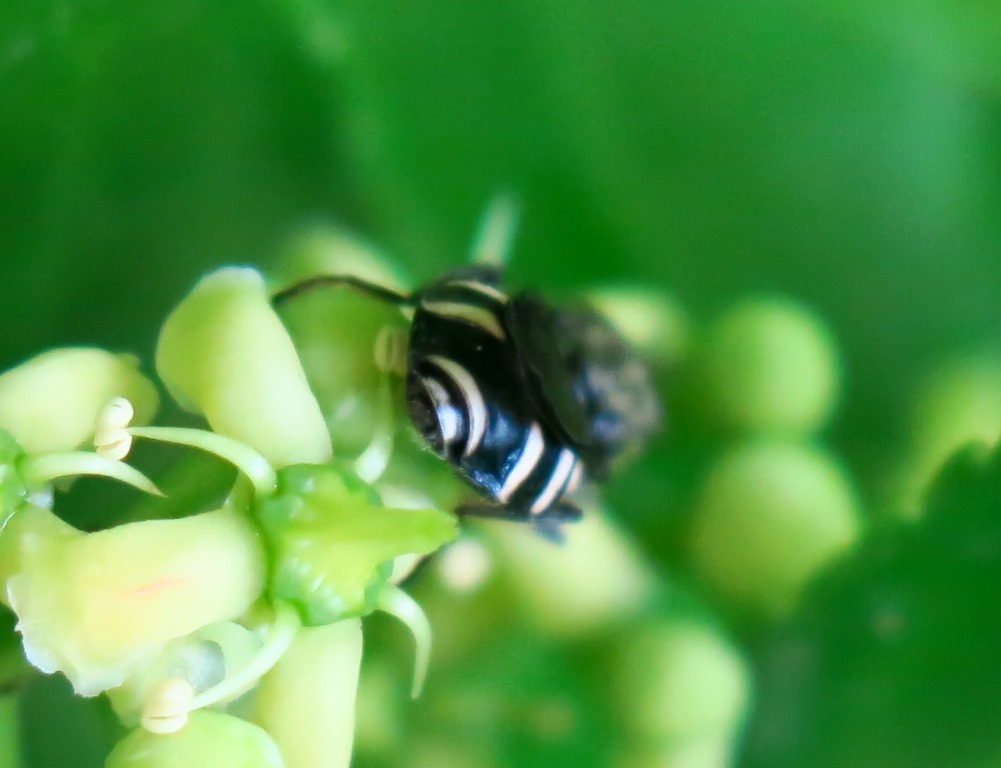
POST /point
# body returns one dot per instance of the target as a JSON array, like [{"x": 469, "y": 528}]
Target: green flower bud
[
  {"x": 335, "y": 331},
  {"x": 307, "y": 702},
  {"x": 769, "y": 516},
  {"x": 677, "y": 682},
  {"x": 98, "y": 606},
  {"x": 52, "y": 402},
  {"x": 224, "y": 353},
  {"x": 330, "y": 250},
  {"x": 333, "y": 543},
  {"x": 29, "y": 523},
  {"x": 209, "y": 739},
  {"x": 770, "y": 365},
  {"x": 560, "y": 588}
]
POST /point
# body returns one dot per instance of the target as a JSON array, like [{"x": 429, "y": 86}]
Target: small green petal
[
  {"x": 335, "y": 329},
  {"x": 52, "y": 401},
  {"x": 209, "y": 739},
  {"x": 29, "y": 523},
  {"x": 333, "y": 544},
  {"x": 98, "y": 606},
  {"x": 958, "y": 404},
  {"x": 400, "y": 605},
  {"x": 307, "y": 702},
  {"x": 224, "y": 353}
]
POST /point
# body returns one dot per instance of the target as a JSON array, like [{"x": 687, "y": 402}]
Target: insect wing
[{"x": 584, "y": 378}]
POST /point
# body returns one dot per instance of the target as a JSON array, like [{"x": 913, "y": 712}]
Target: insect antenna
[{"x": 363, "y": 286}]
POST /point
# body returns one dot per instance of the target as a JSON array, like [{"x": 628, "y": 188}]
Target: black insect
[{"x": 523, "y": 398}]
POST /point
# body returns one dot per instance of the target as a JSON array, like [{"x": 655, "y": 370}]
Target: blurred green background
[{"x": 844, "y": 154}]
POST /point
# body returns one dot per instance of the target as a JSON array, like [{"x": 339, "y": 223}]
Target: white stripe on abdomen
[
  {"x": 476, "y": 408},
  {"x": 564, "y": 466},
  {"x": 531, "y": 452}
]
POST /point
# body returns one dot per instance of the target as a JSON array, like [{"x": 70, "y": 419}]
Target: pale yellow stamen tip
[
  {"x": 111, "y": 439},
  {"x": 118, "y": 413},
  {"x": 113, "y": 444},
  {"x": 167, "y": 706}
]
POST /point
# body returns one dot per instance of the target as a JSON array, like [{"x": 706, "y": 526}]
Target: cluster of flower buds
[{"x": 230, "y": 635}]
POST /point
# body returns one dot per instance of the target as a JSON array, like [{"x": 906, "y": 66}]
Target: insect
[{"x": 523, "y": 398}]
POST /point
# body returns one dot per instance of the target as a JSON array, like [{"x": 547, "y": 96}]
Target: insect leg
[
  {"x": 549, "y": 525},
  {"x": 489, "y": 511},
  {"x": 350, "y": 281}
]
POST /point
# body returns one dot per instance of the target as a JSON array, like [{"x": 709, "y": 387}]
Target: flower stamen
[
  {"x": 283, "y": 631},
  {"x": 252, "y": 464},
  {"x": 40, "y": 470},
  {"x": 167, "y": 706},
  {"x": 111, "y": 437},
  {"x": 171, "y": 700}
]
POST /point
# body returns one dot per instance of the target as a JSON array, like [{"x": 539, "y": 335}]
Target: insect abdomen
[
  {"x": 467, "y": 398},
  {"x": 539, "y": 474}
]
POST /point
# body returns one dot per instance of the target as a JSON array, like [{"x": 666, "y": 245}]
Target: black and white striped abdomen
[
  {"x": 467, "y": 399},
  {"x": 538, "y": 474}
]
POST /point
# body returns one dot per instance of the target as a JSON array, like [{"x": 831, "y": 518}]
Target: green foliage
[
  {"x": 890, "y": 659},
  {"x": 844, "y": 155}
]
